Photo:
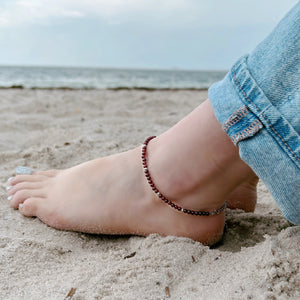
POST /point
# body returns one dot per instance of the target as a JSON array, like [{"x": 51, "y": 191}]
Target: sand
[{"x": 258, "y": 258}]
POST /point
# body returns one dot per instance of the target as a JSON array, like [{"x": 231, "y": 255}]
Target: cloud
[
  {"x": 18, "y": 12},
  {"x": 171, "y": 14}
]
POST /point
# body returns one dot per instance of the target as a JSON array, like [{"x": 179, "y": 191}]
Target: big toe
[{"x": 29, "y": 207}]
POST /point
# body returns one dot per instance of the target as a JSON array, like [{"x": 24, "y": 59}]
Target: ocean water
[{"x": 100, "y": 78}]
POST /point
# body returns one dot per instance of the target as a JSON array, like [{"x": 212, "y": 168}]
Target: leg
[
  {"x": 258, "y": 104},
  {"x": 194, "y": 164}
]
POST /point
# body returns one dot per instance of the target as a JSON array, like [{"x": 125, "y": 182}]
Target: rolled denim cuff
[{"x": 267, "y": 142}]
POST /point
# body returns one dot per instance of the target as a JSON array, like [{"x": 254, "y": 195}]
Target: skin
[{"x": 194, "y": 164}]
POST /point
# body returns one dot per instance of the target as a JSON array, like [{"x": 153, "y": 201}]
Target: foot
[
  {"x": 110, "y": 195},
  {"x": 244, "y": 196}
]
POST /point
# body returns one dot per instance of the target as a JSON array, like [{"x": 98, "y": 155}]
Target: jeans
[{"x": 258, "y": 105}]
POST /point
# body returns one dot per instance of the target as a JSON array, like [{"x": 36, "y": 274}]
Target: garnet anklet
[{"x": 162, "y": 197}]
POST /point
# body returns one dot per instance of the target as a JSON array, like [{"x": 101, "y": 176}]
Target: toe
[
  {"x": 30, "y": 206},
  {"x": 22, "y": 195},
  {"x": 25, "y": 178},
  {"x": 24, "y": 186}
]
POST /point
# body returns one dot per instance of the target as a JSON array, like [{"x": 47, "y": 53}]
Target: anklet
[{"x": 162, "y": 197}]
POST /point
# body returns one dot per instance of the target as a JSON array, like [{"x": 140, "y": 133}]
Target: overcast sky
[{"x": 186, "y": 34}]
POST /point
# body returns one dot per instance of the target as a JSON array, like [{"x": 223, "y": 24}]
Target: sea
[{"x": 105, "y": 78}]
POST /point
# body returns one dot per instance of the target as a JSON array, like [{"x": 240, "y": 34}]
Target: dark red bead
[{"x": 163, "y": 198}]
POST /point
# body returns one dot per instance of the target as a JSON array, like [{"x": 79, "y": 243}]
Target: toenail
[
  {"x": 20, "y": 206},
  {"x": 24, "y": 170},
  {"x": 10, "y": 179},
  {"x": 9, "y": 187},
  {"x": 9, "y": 198}
]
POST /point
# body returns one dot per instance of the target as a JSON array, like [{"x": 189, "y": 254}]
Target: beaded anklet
[{"x": 162, "y": 197}]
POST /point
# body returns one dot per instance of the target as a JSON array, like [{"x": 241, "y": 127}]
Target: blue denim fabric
[{"x": 258, "y": 105}]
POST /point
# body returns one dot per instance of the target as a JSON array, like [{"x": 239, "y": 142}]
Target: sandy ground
[{"x": 258, "y": 258}]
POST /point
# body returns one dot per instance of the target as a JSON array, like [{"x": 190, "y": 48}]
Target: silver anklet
[{"x": 163, "y": 198}]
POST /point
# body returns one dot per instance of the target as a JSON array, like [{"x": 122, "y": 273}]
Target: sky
[{"x": 155, "y": 34}]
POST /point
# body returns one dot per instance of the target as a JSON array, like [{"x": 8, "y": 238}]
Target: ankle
[{"x": 197, "y": 168}]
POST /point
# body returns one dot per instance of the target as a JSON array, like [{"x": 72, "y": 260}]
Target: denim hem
[
  {"x": 267, "y": 142},
  {"x": 254, "y": 98}
]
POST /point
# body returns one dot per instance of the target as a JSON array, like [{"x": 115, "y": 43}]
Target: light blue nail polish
[
  {"x": 9, "y": 198},
  {"x": 20, "y": 205},
  {"x": 8, "y": 187},
  {"x": 24, "y": 170},
  {"x": 10, "y": 179}
]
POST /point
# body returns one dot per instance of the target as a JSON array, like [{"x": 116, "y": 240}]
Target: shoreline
[{"x": 120, "y": 88}]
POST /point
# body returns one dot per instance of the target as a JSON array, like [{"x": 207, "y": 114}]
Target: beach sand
[{"x": 258, "y": 258}]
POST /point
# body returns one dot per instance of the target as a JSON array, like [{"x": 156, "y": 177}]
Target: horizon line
[{"x": 111, "y": 67}]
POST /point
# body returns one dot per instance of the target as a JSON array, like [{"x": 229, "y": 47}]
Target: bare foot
[
  {"x": 108, "y": 195},
  {"x": 194, "y": 164},
  {"x": 244, "y": 196}
]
